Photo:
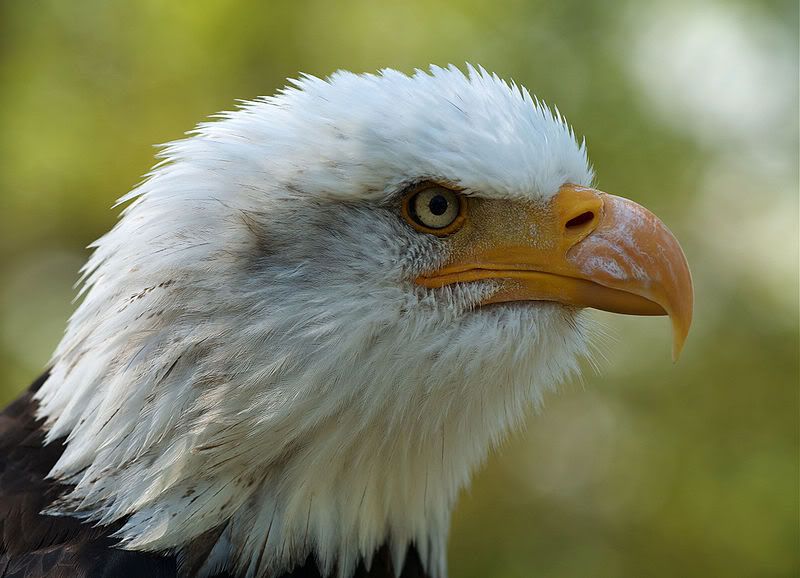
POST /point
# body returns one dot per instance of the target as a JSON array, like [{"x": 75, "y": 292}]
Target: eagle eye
[{"x": 432, "y": 208}]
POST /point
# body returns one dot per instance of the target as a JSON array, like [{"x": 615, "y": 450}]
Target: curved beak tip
[
  {"x": 681, "y": 323},
  {"x": 678, "y": 340},
  {"x": 652, "y": 262}
]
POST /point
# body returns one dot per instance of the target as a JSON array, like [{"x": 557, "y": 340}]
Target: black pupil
[{"x": 438, "y": 205}]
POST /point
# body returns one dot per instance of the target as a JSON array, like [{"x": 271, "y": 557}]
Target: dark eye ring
[{"x": 434, "y": 209}]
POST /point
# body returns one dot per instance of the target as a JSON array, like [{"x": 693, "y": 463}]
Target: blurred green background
[{"x": 691, "y": 108}]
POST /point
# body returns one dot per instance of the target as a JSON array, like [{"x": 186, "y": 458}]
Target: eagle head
[{"x": 319, "y": 312}]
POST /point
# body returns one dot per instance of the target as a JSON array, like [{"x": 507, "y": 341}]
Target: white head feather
[{"x": 251, "y": 348}]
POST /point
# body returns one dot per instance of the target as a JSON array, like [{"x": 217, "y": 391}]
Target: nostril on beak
[
  {"x": 580, "y": 220},
  {"x": 579, "y": 211}
]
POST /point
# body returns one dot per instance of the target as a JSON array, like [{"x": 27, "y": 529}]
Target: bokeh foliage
[{"x": 645, "y": 469}]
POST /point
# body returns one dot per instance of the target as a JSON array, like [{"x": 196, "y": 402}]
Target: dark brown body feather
[{"x": 37, "y": 546}]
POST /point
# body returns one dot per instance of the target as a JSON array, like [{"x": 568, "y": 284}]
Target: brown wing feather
[{"x": 37, "y": 546}]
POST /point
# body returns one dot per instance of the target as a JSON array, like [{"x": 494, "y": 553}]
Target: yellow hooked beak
[{"x": 583, "y": 248}]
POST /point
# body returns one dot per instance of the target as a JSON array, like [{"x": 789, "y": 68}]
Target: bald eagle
[{"x": 312, "y": 322}]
